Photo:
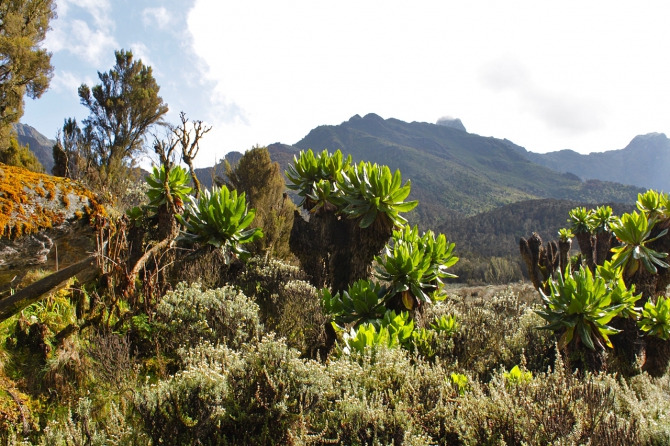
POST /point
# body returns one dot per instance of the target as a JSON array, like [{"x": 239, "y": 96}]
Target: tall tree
[
  {"x": 261, "y": 179},
  {"x": 123, "y": 107},
  {"x": 25, "y": 67},
  {"x": 70, "y": 152}
]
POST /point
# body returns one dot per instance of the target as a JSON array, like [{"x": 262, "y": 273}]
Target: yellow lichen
[{"x": 19, "y": 190}]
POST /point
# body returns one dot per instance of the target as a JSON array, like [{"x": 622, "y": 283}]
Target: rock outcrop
[{"x": 45, "y": 221}]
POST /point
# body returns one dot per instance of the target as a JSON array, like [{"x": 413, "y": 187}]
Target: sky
[{"x": 587, "y": 76}]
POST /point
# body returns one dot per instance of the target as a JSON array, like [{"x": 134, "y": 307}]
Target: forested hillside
[{"x": 497, "y": 232}]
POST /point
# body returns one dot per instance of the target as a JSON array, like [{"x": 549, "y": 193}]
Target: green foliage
[
  {"x": 367, "y": 336},
  {"x": 415, "y": 266},
  {"x": 581, "y": 220},
  {"x": 220, "y": 218},
  {"x": 122, "y": 109},
  {"x": 565, "y": 234},
  {"x": 261, "y": 180},
  {"x": 582, "y": 306},
  {"x": 655, "y": 320},
  {"x": 620, "y": 293},
  {"x": 366, "y": 192},
  {"x": 308, "y": 170},
  {"x": 176, "y": 183},
  {"x": 653, "y": 204},
  {"x": 26, "y": 64},
  {"x": 373, "y": 195},
  {"x": 460, "y": 381},
  {"x": 447, "y": 324},
  {"x": 21, "y": 156},
  {"x": 517, "y": 376},
  {"x": 634, "y": 230},
  {"x": 602, "y": 219},
  {"x": 362, "y": 302}
]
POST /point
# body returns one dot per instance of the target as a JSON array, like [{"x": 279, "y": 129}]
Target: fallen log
[{"x": 13, "y": 304}]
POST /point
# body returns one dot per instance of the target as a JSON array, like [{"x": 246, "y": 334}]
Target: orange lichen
[{"x": 32, "y": 201}]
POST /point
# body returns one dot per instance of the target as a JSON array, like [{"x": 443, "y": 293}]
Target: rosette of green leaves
[
  {"x": 653, "y": 204},
  {"x": 362, "y": 302},
  {"x": 446, "y": 324},
  {"x": 655, "y": 319},
  {"x": 178, "y": 179},
  {"x": 400, "y": 326},
  {"x": 307, "y": 170},
  {"x": 582, "y": 306},
  {"x": 620, "y": 294},
  {"x": 374, "y": 195},
  {"x": 415, "y": 265},
  {"x": 565, "y": 234},
  {"x": 581, "y": 220},
  {"x": 407, "y": 268},
  {"x": 441, "y": 256},
  {"x": 221, "y": 218},
  {"x": 423, "y": 342},
  {"x": 601, "y": 219},
  {"x": 324, "y": 196},
  {"x": 460, "y": 381},
  {"x": 367, "y": 336},
  {"x": 517, "y": 376},
  {"x": 633, "y": 231}
]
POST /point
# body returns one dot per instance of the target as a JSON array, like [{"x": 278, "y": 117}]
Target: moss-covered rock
[{"x": 40, "y": 214}]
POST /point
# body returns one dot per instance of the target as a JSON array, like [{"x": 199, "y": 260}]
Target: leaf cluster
[
  {"x": 220, "y": 218},
  {"x": 582, "y": 305},
  {"x": 416, "y": 265},
  {"x": 175, "y": 183},
  {"x": 655, "y": 320},
  {"x": 633, "y": 231},
  {"x": 367, "y": 192}
]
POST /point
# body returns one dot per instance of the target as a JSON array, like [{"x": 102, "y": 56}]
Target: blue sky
[
  {"x": 83, "y": 40},
  {"x": 587, "y": 76}
]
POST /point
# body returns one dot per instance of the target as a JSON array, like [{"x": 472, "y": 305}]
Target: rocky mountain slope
[
  {"x": 39, "y": 144},
  {"x": 452, "y": 171},
  {"x": 644, "y": 162}
]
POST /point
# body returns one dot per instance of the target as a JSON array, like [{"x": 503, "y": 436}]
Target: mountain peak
[
  {"x": 448, "y": 121},
  {"x": 650, "y": 141},
  {"x": 373, "y": 117}
]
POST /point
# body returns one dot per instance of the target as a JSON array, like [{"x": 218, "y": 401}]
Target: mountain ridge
[{"x": 643, "y": 162}]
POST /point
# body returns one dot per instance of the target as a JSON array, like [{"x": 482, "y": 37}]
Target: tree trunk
[
  {"x": 586, "y": 245},
  {"x": 603, "y": 244},
  {"x": 658, "y": 356},
  {"x": 564, "y": 254},
  {"x": 629, "y": 347}
]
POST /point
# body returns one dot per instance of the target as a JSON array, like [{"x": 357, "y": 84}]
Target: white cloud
[
  {"x": 68, "y": 82},
  {"x": 99, "y": 9},
  {"x": 160, "y": 17},
  {"x": 140, "y": 51},
  {"x": 559, "y": 111},
  {"x": 90, "y": 44},
  {"x": 77, "y": 37}
]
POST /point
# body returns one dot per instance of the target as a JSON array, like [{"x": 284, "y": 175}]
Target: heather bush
[
  {"x": 289, "y": 305},
  {"x": 189, "y": 314},
  {"x": 493, "y": 332},
  {"x": 88, "y": 425},
  {"x": 257, "y": 395}
]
